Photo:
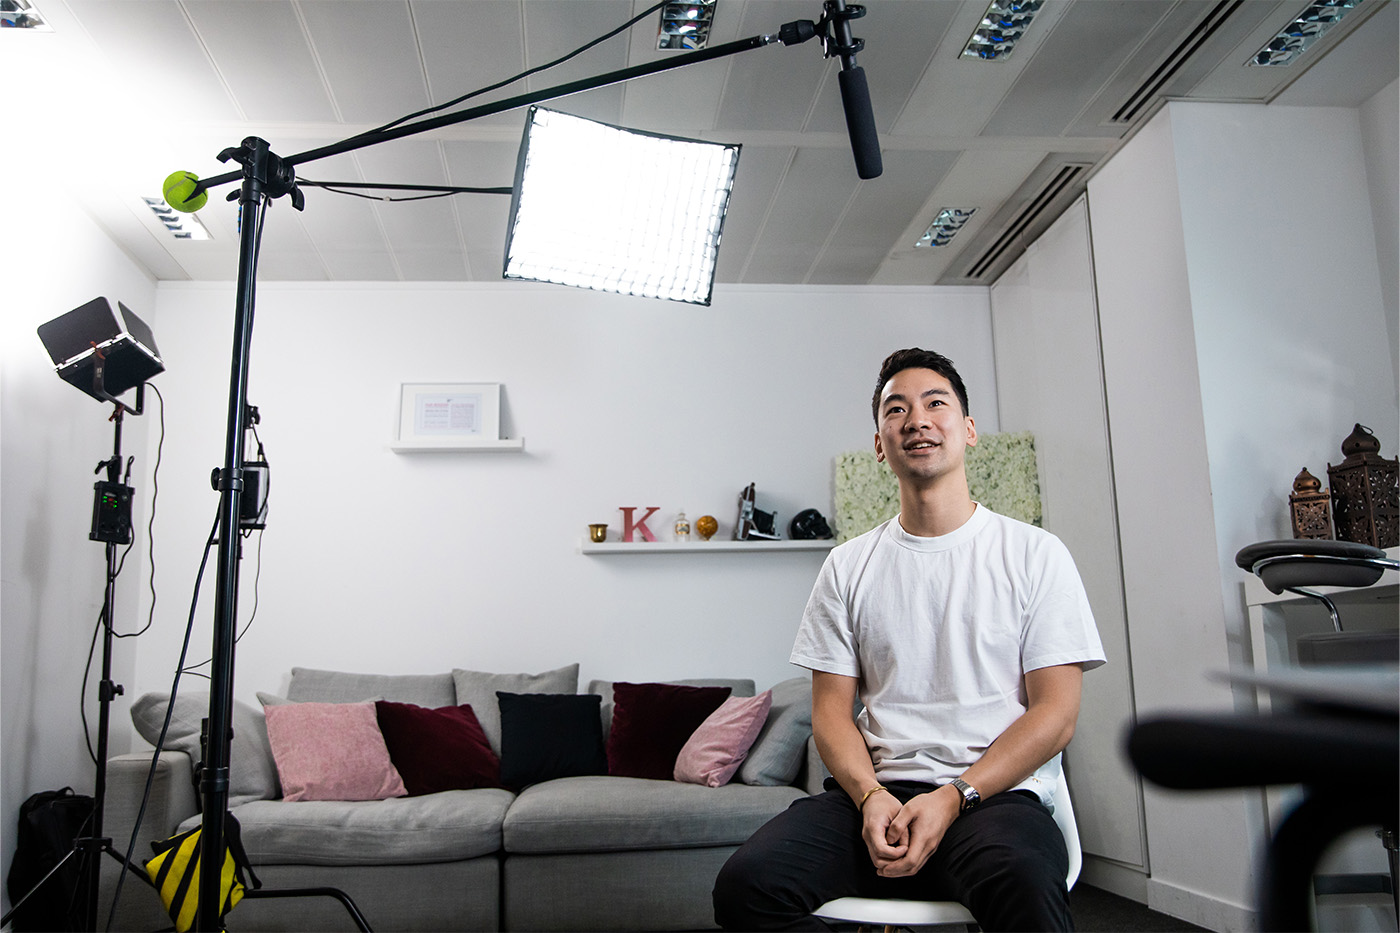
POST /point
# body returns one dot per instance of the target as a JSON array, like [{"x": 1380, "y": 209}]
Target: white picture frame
[{"x": 449, "y": 416}]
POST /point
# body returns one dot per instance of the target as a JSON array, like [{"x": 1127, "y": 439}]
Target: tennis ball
[{"x": 178, "y": 188}]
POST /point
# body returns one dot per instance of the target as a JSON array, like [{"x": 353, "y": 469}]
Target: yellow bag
[{"x": 174, "y": 870}]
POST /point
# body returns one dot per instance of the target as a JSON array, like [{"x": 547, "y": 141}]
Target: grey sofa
[{"x": 595, "y": 852}]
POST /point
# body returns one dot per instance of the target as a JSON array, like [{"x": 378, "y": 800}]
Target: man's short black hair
[{"x": 915, "y": 358}]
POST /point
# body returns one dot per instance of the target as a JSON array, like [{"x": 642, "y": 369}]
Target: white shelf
[
  {"x": 696, "y": 547},
  {"x": 420, "y": 447}
]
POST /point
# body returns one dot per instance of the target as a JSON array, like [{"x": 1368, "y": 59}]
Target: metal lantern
[
  {"x": 1311, "y": 507},
  {"x": 1366, "y": 492}
]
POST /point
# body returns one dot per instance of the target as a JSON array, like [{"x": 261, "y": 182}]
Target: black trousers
[{"x": 1005, "y": 861}]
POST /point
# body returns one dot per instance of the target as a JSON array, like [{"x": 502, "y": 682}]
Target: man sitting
[{"x": 964, "y": 635}]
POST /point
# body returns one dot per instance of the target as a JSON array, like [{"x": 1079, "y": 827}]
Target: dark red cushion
[
  {"x": 437, "y": 749},
  {"x": 651, "y": 724}
]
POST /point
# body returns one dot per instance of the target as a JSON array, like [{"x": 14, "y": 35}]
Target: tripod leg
[
  {"x": 5, "y": 920},
  {"x": 336, "y": 893}
]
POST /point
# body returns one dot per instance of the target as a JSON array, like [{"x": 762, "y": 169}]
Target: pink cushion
[
  {"x": 331, "y": 751},
  {"x": 716, "y": 749}
]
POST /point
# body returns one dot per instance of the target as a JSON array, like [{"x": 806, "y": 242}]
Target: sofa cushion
[
  {"x": 478, "y": 690},
  {"x": 252, "y": 774},
  {"x": 714, "y": 752},
  {"x": 549, "y": 735},
  {"x": 454, "y": 824},
  {"x": 605, "y": 813},
  {"x": 309, "y": 685},
  {"x": 652, "y": 722},
  {"x": 437, "y": 749},
  {"x": 777, "y": 754},
  {"x": 331, "y": 751},
  {"x": 604, "y": 688}
]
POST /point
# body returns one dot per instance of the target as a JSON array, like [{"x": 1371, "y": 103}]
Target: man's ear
[
  {"x": 971, "y": 432},
  {"x": 879, "y": 450}
]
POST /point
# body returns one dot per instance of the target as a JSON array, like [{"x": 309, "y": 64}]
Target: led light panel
[
  {"x": 1305, "y": 29},
  {"x": 945, "y": 226},
  {"x": 617, "y": 210}
]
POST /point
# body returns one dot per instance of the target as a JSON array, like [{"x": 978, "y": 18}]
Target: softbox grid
[{"x": 606, "y": 208}]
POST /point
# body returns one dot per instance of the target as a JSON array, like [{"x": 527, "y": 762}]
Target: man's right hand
[{"x": 878, "y": 813}]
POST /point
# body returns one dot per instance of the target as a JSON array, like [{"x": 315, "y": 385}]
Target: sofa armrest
[
  {"x": 173, "y": 799},
  {"x": 814, "y": 770}
]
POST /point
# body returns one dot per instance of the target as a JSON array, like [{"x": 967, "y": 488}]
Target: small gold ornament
[{"x": 705, "y": 526}]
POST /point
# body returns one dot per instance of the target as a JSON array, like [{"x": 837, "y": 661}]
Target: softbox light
[
  {"x": 102, "y": 350},
  {"x": 617, "y": 210}
]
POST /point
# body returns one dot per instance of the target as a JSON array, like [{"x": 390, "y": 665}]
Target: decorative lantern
[
  {"x": 1311, "y": 507},
  {"x": 1366, "y": 492}
]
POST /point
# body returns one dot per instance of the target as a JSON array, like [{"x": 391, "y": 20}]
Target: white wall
[
  {"x": 377, "y": 561},
  {"x": 1235, "y": 352},
  {"x": 51, "y": 438},
  {"x": 1050, "y": 382},
  {"x": 1380, "y": 127}
]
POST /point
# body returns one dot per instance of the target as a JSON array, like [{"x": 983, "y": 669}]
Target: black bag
[{"x": 48, "y": 823}]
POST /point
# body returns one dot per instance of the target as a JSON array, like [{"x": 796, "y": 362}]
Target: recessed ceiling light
[
  {"x": 1305, "y": 29},
  {"x": 20, "y": 14},
  {"x": 946, "y": 226},
  {"x": 180, "y": 226},
  {"x": 1002, "y": 25},
  {"x": 685, "y": 26}
]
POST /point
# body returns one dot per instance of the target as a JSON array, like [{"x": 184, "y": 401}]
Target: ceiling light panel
[
  {"x": 946, "y": 226},
  {"x": 1306, "y": 28},
  {"x": 20, "y": 14},
  {"x": 179, "y": 226},
  {"x": 685, "y": 26},
  {"x": 1002, "y": 26}
]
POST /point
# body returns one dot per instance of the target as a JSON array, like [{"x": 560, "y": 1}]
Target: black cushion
[
  {"x": 1311, "y": 562},
  {"x": 546, "y": 736}
]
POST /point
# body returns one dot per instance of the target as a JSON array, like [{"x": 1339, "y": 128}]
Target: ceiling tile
[
  {"x": 263, "y": 54},
  {"x": 469, "y": 46},
  {"x": 812, "y": 198},
  {"x": 345, "y": 37},
  {"x": 880, "y": 210},
  {"x": 146, "y": 42},
  {"x": 1077, "y": 57}
]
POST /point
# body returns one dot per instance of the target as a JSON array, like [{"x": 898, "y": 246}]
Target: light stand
[
  {"x": 110, "y": 365},
  {"x": 265, "y": 176}
]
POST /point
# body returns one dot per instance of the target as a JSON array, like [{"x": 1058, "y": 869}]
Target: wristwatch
[{"x": 970, "y": 797}]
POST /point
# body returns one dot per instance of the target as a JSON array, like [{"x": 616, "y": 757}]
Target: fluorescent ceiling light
[
  {"x": 685, "y": 26},
  {"x": 1002, "y": 25},
  {"x": 946, "y": 226},
  {"x": 180, "y": 226},
  {"x": 617, "y": 210},
  {"x": 20, "y": 14},
  {"x": 1305, "y": 29}
]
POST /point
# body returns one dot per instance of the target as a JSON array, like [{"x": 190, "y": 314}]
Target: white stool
[{"x": 893, "y": 913}]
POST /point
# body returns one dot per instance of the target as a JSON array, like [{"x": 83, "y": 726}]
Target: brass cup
[{"x": 598, "y": 533}]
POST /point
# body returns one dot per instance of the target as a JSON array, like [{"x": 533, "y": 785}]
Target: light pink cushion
[
  {"x": 331, "y": 751},
  {"x": 716, "y": 749}
]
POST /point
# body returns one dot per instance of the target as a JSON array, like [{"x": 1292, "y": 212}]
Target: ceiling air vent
[
  {"x": 1146, "y": 92},
  {"x": 1030, "y": 220}
]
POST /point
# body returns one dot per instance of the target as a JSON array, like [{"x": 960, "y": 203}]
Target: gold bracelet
[{"x": 874, "y": 790}]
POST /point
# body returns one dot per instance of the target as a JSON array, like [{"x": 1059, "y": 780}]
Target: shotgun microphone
[{"x": 855, "y": 93}]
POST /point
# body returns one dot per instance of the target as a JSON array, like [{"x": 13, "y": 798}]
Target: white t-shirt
[{"x": 940, "y": 632}]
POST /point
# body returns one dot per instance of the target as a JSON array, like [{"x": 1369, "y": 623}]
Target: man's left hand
[{"x": 920, "y": 825}]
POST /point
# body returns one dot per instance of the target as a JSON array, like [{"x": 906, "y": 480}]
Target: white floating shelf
[
  {"x": 420, "y": 447},
  {"x": 695, "y": 547}
]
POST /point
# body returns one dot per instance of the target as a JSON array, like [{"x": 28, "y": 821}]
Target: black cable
[
  {"x": 524, "y": 74},
  {"x": 165, "y": 726},
  {"x": 151, "y": 525}
]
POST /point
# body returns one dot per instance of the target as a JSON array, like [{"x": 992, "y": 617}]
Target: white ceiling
[{"x": 1016, "y": 139}]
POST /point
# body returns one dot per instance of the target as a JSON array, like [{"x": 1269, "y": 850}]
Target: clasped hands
[{"x": 900, "y": 838}]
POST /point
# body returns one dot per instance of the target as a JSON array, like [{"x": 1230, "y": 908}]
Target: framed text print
[{"x": 450, "y": 416}]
